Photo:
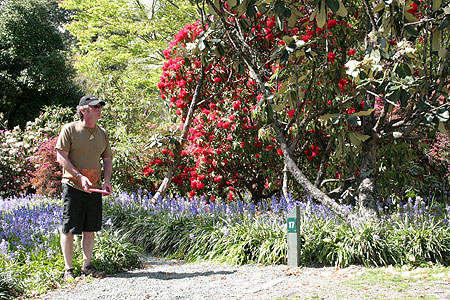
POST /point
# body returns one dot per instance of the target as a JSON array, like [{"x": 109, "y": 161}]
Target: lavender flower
[{"x": 225, "y": 230}]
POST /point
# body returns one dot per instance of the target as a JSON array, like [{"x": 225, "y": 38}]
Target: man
[{"x": 79, "y": 148}]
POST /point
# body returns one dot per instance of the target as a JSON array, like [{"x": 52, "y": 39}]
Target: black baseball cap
[{"x": 90, "y": 100}]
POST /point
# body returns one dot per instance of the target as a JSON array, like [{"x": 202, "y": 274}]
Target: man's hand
[
  {"x": 62, "y": 157},
  {"x": 107, "y": 187},
  {"x": 107, "y": 169},
  {"x": 85, "y": 183}
]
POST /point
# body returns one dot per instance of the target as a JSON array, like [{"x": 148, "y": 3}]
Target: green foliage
[
  {"x": 199, "y": 238},
  {"x": 42, "y": 273},
  {"x": 118, "y": 55},
  {"x": 9, "y": 287},
  {"x": 119, "y": 49},
  {"x": 405, "y": 170},
  {"x": 34, "y": 70},
  {"x": 422, "y": 243},
  {"x": 112, "y": 254}
]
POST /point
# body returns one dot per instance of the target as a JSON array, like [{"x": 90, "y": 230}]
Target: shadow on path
[{"x": 170, "y": 275}]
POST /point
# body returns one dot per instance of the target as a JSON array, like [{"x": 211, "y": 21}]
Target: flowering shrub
[
  {"x": 18, "y": 150},
  {"x": 439, "y": 152},
  {"x": 310, "y": 59},
  {"x": 225, "y": 156},
  {"x": 440, "y": 149},
  {"x": 233, "y": 152},
  {"x": 15, "y": 168}
]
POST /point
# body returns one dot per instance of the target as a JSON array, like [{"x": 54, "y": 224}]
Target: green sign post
[{"x": 293, "y": 237}]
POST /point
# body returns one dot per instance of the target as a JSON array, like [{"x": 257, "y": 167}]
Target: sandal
[
  {"x": 91, "y": 271},
  {"x": 69, "y": 274}
]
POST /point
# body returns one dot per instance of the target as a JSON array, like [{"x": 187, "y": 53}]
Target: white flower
[
  {"x": 410, "y": 51},
  {"x": 299, "y": 43},
  {"x": 404, "y": 48},
  {"x": 447, "y": 10},
  {"x": 352, "y": 68},
  {"x": 190, "y": 46},
  {"x": 402, "y": 44},
  {"x": 377, "y": 68}
]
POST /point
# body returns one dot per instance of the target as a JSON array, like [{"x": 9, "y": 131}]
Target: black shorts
[{"x": 82, "y": 212}]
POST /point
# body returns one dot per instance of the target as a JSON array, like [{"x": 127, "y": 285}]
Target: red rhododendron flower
[
  {"x": 413, "y": 9},
  {"x": 291, "y": 113},
  {"x": 332, "y": 23},
  {"x": 331, "y": 56},
  {"x": 270, "y": 22},
  {"x": 351, "y": 52},
  {"x": 230, "y": 196},
  {"x": 194, "y": 184}
]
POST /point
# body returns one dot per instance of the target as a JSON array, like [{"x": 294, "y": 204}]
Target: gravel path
[{"x": 175, "y": 280}]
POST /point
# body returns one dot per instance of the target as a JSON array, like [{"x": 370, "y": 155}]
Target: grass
[
  {"x": 382, "y": 283},
  {"x": 406, "y": 283}
]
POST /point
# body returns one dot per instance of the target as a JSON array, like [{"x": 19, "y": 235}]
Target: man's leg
[
  {"x": 88, "y": 246},
  {"x": 67, "y": 249}
]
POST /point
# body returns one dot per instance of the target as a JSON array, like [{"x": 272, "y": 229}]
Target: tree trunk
[
  {"x": 285, "y": 182},
  {"x": 312, "y": 190},
  {"x": 366, "y": 190},
  {"x": 180, "y": 145}
]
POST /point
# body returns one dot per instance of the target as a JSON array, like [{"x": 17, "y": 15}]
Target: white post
[{"x": 293, "y": 237}]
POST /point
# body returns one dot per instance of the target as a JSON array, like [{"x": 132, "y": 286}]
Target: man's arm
[
  {"x": 107, "y": 170},
  {"x": 62, "y": 157}
]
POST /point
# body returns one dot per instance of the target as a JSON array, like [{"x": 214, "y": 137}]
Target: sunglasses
[{"x": 96, "y": 106}]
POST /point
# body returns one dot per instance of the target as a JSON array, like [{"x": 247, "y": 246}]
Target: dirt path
[{"x": 171, "y": 279}]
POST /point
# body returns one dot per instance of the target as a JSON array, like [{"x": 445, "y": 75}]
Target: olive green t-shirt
[{"x": 85, "y": 147}]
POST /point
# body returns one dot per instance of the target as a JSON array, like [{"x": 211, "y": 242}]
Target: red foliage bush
[{"x": 46, "y": 179}]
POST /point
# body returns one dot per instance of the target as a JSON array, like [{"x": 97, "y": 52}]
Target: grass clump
[
  {"x": 241, "y": 233},
  {"x": 195, "y": 229}
]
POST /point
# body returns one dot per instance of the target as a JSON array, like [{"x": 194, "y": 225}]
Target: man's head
[{"x": 88, "y": 101}]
